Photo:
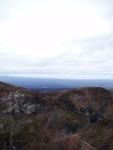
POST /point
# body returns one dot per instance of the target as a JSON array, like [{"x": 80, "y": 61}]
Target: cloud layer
[{"x": 65, "y": 37}]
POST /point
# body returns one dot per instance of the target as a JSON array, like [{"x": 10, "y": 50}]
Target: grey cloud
[{"x": 96, "y": 55}]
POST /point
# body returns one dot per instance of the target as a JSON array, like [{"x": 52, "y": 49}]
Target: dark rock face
[{"x": 71, "y": 120}]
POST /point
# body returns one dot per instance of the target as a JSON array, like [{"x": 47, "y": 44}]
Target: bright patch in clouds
[{"x": 56, "y": 37}]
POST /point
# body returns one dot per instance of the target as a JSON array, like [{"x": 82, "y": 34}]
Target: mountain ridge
[{"x": 77, "y": 119}]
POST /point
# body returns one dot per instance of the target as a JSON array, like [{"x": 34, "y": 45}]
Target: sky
[{"x": 57, "y": 38}]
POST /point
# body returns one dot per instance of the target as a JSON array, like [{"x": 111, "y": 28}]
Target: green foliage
[
  {"x": 7, "y": 124},
  {"x": 74, "y": 121},
  {"x": 99, "y": 135}
]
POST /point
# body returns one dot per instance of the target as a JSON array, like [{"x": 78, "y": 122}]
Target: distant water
[{"x": 48, "y": 84}]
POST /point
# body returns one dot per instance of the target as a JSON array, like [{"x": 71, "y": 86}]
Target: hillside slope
[{"x": 79, "y": 119}]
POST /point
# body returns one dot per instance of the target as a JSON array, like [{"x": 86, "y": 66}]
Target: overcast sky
[{"x": 72, "y": 38}]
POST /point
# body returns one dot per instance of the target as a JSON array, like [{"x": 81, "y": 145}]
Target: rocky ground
[{"x": 80, "y": 119}]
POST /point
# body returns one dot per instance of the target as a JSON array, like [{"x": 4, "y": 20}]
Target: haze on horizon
[{"x": 60, "y": 38}]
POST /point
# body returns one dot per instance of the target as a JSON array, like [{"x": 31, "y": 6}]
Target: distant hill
[
  {"x": 75, "y": 119},
  {"x": 51, "y": 85}
]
